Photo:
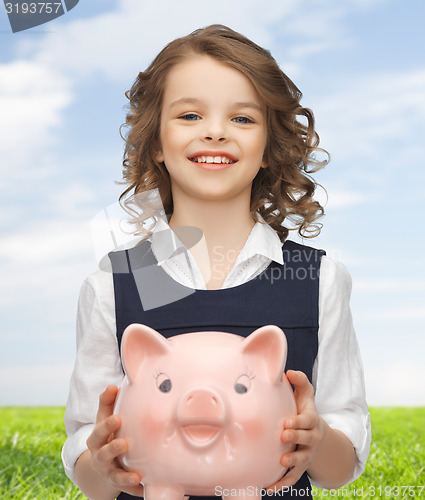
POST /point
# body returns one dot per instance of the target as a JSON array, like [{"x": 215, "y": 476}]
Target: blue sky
[{"x": 361, "y": 68}]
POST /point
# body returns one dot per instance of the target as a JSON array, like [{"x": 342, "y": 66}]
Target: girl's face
[{"x": 212, "y": 132}]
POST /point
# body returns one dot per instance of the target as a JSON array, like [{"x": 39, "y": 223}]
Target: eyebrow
[{"x": 194, "y": 100}]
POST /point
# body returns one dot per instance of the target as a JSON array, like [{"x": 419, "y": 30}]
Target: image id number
[
  {"x": 396, "y": 491},
  {"x": 33, "y": 7}
]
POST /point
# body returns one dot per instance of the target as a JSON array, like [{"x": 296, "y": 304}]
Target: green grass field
[{"x": 31, "y": 467}]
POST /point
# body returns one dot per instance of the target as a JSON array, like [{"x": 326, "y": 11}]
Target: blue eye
[
  {"x": 243, "y": 119},
  {"x": 190, "y": 117}
]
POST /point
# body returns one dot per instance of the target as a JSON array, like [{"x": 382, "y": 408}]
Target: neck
[{"x": 225, "y": 223}]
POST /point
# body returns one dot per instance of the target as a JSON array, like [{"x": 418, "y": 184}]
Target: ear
[
  {"x": 157, "y": 151},
  {"x": 268, "y": 345},
  {"x": 264, "y": 162},
  {"x": 140, "y": 342}
]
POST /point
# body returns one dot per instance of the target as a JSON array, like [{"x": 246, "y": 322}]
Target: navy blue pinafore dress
[{"x": 283, "y": 295}]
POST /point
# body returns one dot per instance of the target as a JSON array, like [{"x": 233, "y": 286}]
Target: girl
[{"x": 215, "y": 127}]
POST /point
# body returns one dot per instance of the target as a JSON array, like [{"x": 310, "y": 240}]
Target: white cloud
[
  {"x": 45, "y": 262},
  {"x": 390, "y": 314},
  {"x": 34, "y": 385},
  {"x": 45, "y": 242},
  {"x": 388, "y": 285},
  {"x": 308, "y": 49},
  {"x": 336, "y": 197},
  {"x": 32, "y": 99},
  {"x": 397, "y": 384},
  {"x": 125, "y": 40},
  {"x": 72, "y": 199},
  {"x": 321, "y": 20},
  {"x": 371, "y": 112}
]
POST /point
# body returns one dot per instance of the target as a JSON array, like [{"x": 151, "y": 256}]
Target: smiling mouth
[
  {"x": 212, "y": 159},
  {"x": 200, "y": 435}
]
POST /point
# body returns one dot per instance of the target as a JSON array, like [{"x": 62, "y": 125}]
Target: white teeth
[{"x": 212, "y": 159}]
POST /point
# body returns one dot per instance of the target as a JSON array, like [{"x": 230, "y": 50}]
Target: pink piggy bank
[{"x": 203, "y": 412}]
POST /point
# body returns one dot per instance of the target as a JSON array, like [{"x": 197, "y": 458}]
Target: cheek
[
  {"x": 157, "y": 420},
  {"x": 174, "y": 139},
  {"x": 254, "y": 147},
  {"x": 254, "y": 428},
  {"x": 258, "y": 147},
  {"x": 152, "y": 425},
  {"x": 261, "y": 143},
  {"x": 244, "y": 433},
  {"x": 250, "y": 418}
]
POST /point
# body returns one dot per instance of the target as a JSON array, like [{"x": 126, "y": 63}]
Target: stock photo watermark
[
  {"x": 114, "y": 241},
  {"x": 373, "y": 491},
  {"x": 26, "y": 15}
]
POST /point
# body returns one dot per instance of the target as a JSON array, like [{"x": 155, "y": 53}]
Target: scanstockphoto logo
[
  {"x": 26, "y": 15},
  {"x": 112, "y": 232}
]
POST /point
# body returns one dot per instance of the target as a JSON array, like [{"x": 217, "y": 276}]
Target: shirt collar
[
  {"x": 262, "y": 240},
  {"x": 165, "y": 243}
]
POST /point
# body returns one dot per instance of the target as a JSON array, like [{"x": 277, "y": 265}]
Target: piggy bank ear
[
  {"x": 140, "y": 342},
  {"x": 267, "y": 345}
]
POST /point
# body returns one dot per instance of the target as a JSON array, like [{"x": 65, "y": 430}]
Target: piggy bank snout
[
  {"x": 201, "y": 404},
  {"x": 201, "y": 416}
]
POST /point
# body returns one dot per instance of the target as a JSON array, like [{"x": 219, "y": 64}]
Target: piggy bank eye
[
  {"x": 163, "y": 383},
  {"x": 242, "y": 384}
]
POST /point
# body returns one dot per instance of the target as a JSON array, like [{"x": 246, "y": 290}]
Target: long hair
[{"x": 283, "y": 192}]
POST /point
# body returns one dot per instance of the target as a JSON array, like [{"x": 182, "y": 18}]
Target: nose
[
  {"x": 200, "y": 404},
  {"x": 215, "y": 131}
]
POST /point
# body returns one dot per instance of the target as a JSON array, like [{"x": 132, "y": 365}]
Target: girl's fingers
[
  {"x": 101, "y": 432},
  {"x": 107, "y": 402},
  {"x": 128, "y": 482},
  {"x": 299, "y": 458},
  {"x": 301, "y": 437},
  {"x": 306, "y": 420},
  {"x": 291, "y": 477},
  {"x": 299, "y": 380},
  {"x": 121, "y": 478},
  {"x": 108, "y": 453}
]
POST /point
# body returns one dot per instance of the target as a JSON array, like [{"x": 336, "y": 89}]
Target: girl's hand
[
  {"x": 105, "y": 449},
  {"x": 305, "y": 430}
]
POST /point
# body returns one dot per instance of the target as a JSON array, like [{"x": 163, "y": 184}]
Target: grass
[
  {"x": 30, "y": 464},
  {"x": 31, "y": 467},
  {"x": 396, "y": 459}
]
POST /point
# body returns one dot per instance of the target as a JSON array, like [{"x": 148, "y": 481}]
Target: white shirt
[{"x": 337, "y": 379}]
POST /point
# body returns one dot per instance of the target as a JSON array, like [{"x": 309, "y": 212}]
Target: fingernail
[{"x": 289, "y": 423}]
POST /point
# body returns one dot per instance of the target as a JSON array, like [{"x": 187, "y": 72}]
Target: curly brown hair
[{"x": 281, "y": 192}]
